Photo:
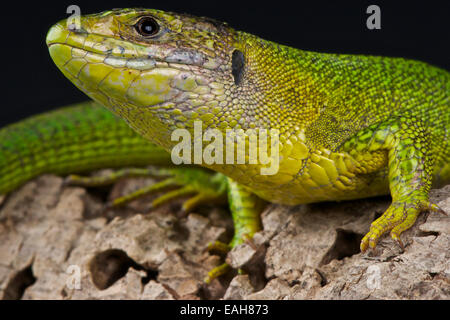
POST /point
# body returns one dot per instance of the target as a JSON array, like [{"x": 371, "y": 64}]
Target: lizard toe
[{"x": 397, "y": 218}]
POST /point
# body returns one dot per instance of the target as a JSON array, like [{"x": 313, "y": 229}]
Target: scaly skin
[
  {"x": 79, "y": 138},
  {"x": 350, "y": 126},
  {"x": 85, "y": 137}
]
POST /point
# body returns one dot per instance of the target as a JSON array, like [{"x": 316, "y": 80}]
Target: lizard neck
[{"x": 283, "y": 87}]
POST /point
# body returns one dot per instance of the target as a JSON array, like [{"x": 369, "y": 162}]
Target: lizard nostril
[{"x": 72, "y": 27}]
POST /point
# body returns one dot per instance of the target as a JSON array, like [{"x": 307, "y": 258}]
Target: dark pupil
[{"x": 148, "y": 27}]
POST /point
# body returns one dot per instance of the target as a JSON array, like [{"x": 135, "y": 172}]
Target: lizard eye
[{"x": 147, "y": 27}]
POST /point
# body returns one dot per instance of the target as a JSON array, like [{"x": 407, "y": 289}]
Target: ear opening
[{"x": 237, "y": 66}]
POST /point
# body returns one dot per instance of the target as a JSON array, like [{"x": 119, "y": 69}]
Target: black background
[{"x": 32, "y": 84}]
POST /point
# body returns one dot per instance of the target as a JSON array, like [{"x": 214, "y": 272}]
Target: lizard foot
[
  {"x": 204, "y": 186},
  {"x": 223, "y": 248},
  {"x": 399, "y": 217},
  {"x": 245, "y": 209}
]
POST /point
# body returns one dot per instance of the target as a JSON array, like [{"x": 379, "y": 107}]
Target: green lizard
[{"x": 350, "y": 126}]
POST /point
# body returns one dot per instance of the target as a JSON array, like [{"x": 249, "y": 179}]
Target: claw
[
  {"x": 436, "y": 208},
  {"x": 364, "y": 245},
  {"x": 248, "y": 239},
  {"x": 396, "y": 238},
  {"x": 370, "y": 240},
  {"x": 397, "y": 218},
  {"x": 369, "y": 244}
]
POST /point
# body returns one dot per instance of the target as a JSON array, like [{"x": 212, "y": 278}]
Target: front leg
[
  {"x": 407, "y": 145},
  {"x": 245, "y": 209}
]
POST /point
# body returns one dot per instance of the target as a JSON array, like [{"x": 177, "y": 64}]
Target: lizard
[{"x": 350, "y": 126}]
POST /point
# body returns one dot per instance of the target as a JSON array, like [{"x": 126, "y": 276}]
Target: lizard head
[
  {"x": 165, "y": 71},
  {"x": 159, "y": 71}
]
